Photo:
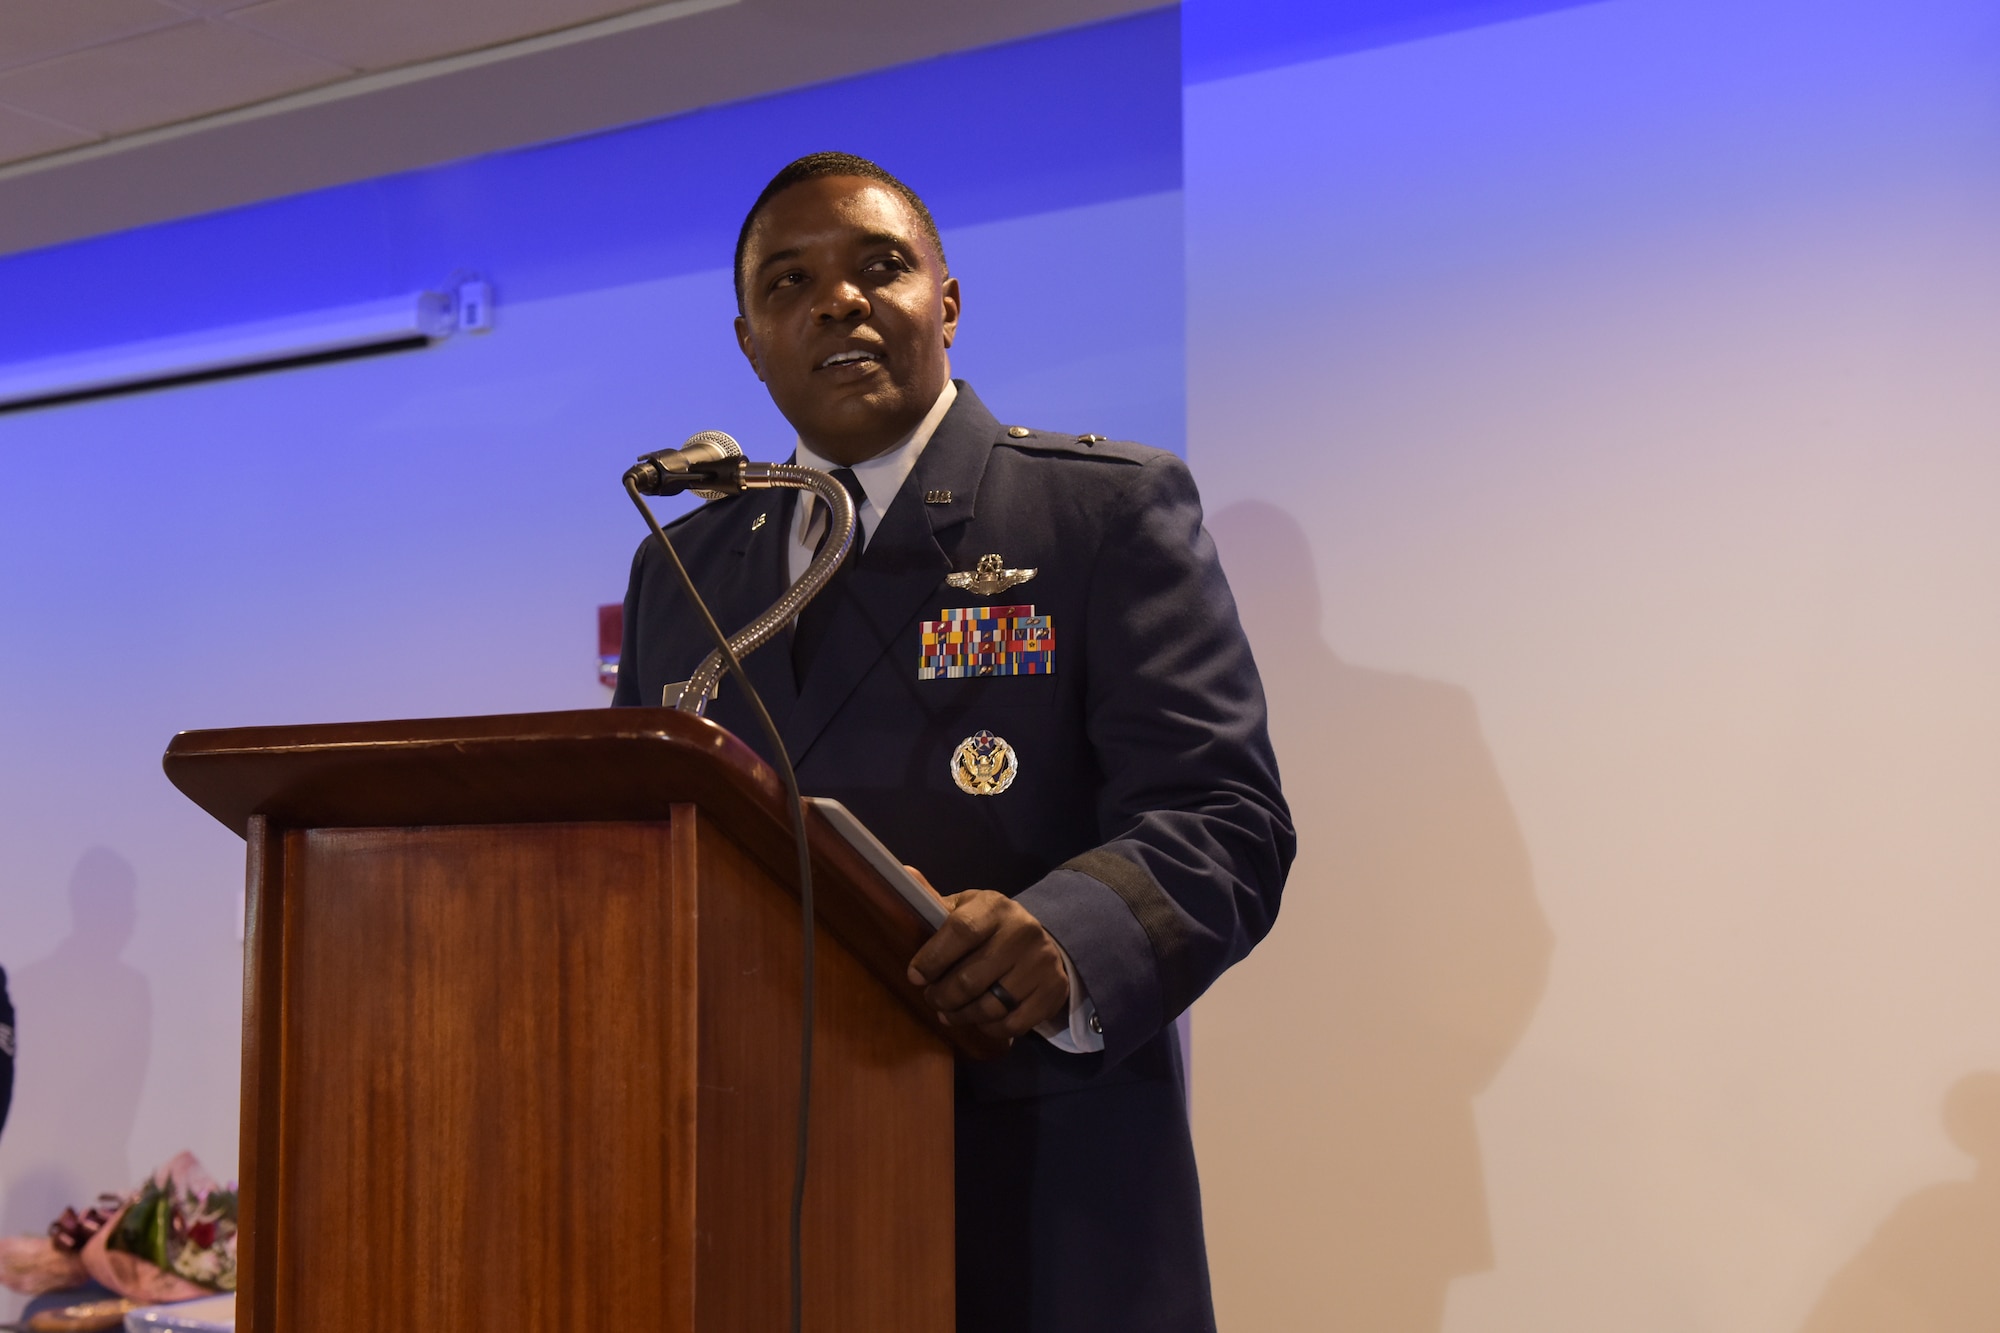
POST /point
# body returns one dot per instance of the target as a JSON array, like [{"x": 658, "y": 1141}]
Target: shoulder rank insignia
[
  {"x": 986, "y": 641},
  {"x": 988, "y": 579},
  {"x": 984, "y": 765}
]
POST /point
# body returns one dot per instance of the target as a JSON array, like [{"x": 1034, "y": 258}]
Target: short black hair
[{"x": 812, "y": 167}]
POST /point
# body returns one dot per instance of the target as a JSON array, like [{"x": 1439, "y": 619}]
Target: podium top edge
[
  {"x": 601, "y": 763},
  {"x": 632, "y": 724}
]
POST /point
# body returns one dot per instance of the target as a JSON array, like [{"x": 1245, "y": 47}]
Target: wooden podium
[{"x": 520, "y": 1037}]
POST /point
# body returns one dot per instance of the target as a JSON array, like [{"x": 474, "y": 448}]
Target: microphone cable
[{"x": 801, "y": 1150}]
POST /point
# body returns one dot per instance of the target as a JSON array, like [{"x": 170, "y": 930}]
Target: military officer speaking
[{"x": 1030, "y": 682}]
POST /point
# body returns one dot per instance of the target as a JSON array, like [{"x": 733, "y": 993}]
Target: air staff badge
[{"x": 984, "y": 765}]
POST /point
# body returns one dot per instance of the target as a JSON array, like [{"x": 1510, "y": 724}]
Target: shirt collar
[{"x": 881, "y": 476}]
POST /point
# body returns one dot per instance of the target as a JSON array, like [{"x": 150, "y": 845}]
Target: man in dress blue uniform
[{"x": 1029, "y": 680}]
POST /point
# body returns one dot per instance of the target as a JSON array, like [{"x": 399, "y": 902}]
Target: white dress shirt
[{"x": 881, "y": 478}]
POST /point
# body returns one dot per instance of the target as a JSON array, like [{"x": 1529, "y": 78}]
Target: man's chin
[{"x": 875, "y": 419}]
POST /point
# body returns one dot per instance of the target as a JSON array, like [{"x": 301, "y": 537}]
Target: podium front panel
[
  {"x": 487, "y": 1097},
  {"x": 544, "y": 1076}
]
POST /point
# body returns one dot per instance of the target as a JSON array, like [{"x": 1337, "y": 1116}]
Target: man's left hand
[{"x": 991, "y": 938}]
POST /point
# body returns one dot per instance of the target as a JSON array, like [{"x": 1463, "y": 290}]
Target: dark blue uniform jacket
[{"x": 1144, "y": 827}]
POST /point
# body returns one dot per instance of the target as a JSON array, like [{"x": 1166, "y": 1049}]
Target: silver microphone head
[
  {"x": 668, "y": 471},
  {"x": 704, "y": 446}
]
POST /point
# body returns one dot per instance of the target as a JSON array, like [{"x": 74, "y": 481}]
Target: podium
[{"x": 520, "y": 1037}]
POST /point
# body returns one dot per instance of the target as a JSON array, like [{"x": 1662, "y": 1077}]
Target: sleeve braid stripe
[{"x": 1165, "y": 928}]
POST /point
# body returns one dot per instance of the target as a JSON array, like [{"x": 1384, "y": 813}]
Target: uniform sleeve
[
  {"x": 1197, "y": 837},
  {"x": 7, "y": 1044}
]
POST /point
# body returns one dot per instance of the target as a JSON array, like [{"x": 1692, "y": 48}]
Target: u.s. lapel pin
[{"x": 989, "y": 578}]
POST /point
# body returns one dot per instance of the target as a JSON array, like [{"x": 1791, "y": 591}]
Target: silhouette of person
[
  {"x": 1338, "y": 1069},
  {"x": 86, "y": 1027},
  {"x": 1934, "y": 1265}
]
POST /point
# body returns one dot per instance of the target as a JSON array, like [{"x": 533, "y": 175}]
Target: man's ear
[
  {"x": 750, "y": 349},
  {"x": 949, "y": 293}
]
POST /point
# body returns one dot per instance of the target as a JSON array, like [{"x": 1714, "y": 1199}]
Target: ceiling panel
[
  {"x": 37, "y": 29},
  {"x": 23, "y": 135},
  {"x": 382, "y": 34},
  {"x": 172, "y": 74}
]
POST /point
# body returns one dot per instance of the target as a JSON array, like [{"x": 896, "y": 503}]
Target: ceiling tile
[
  {"x": 23, "y": 135},
  {"x": 35, "y": 29},
  {"x": 382, "y": 34},
  {"x": 162, "y": 77}
]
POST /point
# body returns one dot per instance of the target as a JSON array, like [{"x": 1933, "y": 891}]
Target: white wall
[{"x": 1599, "y": 416}]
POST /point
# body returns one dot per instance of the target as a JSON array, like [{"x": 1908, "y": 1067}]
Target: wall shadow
[
  {"x": 1934, "y": 1265},
  {"x": 85, "y": 1034},
  {"x": 1341, "y": 1163}
]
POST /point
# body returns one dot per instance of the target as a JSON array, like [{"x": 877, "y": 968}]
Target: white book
[{"x": 913, "y": 890}]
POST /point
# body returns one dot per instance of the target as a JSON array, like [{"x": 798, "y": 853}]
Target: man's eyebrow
[
  {"x": 867, "y": 239},
  {"x": 779, "y": 257}
]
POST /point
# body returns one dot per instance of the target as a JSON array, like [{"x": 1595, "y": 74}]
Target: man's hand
[{"x": 991, "y": 938}]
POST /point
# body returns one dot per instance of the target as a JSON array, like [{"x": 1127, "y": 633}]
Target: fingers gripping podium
[{"x": 521, "y": 1003}]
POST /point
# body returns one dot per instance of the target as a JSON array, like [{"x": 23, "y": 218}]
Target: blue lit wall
[{"x": 430, "y": 533}]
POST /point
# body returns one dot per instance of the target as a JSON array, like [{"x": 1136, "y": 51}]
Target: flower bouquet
[{"x": 173, "y": 1239}]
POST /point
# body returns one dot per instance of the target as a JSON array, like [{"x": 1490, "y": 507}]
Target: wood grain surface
[
  {"x": 488, "y": 1080},
  {"x": 261, "y": 1121},
  {"x": 879, "y": 1237}
]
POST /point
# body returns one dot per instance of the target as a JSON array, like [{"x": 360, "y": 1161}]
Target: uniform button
[
  {"x": 1096, "y": 1026},
  {"x": 1018, "y": 432},
  {"x": 1090, "y": 439}
]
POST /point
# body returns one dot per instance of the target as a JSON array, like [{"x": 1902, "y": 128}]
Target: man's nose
[{"x": 842, "y": 301}]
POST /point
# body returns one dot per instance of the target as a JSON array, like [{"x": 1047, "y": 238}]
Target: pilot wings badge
[
  {"x": 984, "y": 765},
  {"x": 988, "y": 579}
]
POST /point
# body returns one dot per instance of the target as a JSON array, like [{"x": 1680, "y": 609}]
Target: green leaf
[{"x": 160, "y": 1231}]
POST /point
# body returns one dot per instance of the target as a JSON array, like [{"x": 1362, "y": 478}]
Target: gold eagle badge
[{"x": 984, "y": 765}]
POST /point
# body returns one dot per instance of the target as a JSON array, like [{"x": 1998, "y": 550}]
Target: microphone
[{"x": 710, "y": 464}]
